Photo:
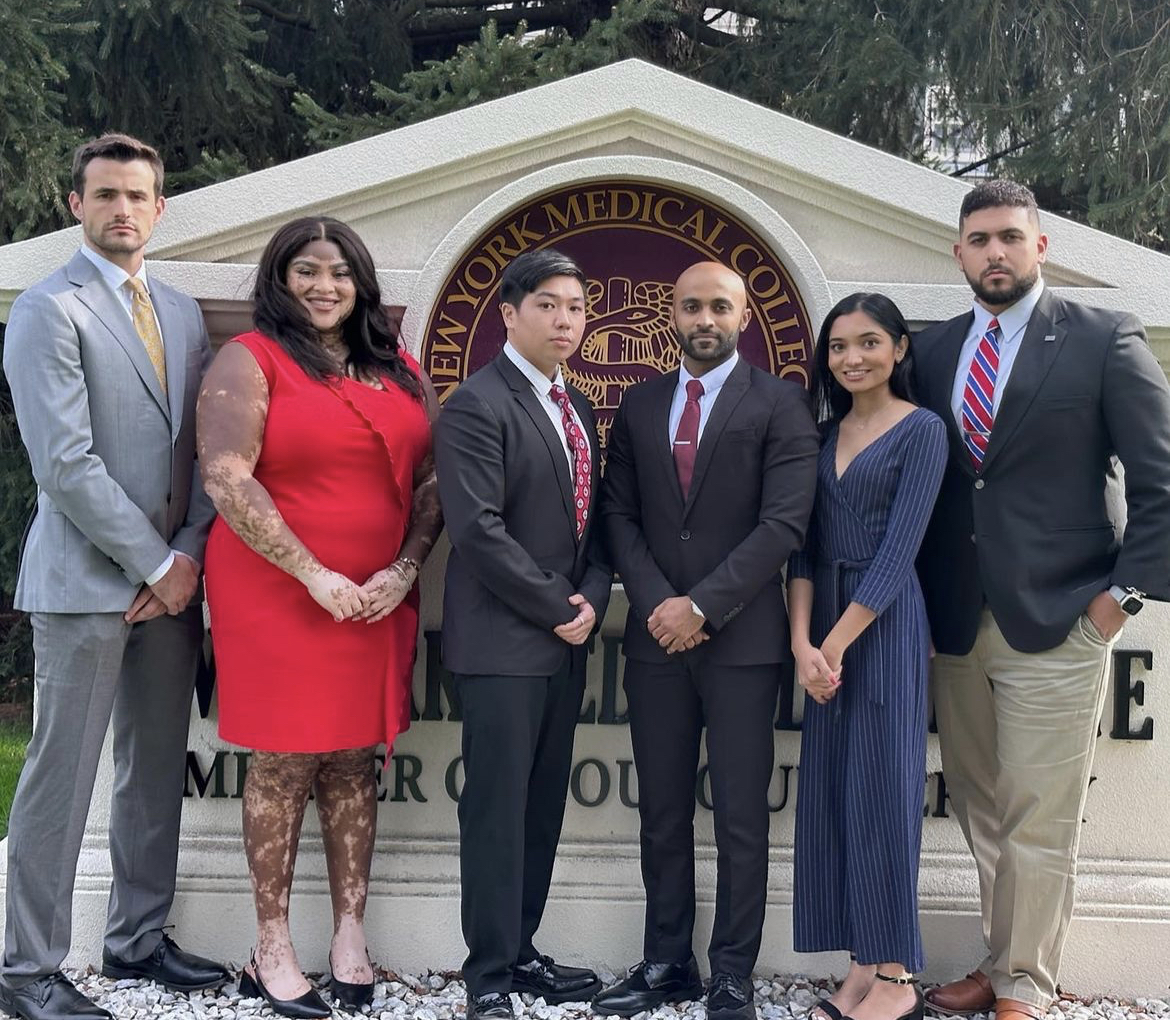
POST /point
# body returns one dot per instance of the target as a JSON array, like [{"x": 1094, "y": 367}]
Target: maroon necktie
[
  {"x": 579, "y": 447},
  {"x": 686, "y": 439}
]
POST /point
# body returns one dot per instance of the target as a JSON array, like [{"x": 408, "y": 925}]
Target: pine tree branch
[
  {"x": 299, "y": 20},
  {"x": 695, "y": 28},
  {"x": 464, "y": 26}
]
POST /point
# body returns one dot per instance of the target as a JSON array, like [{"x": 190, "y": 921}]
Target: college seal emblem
[{"x": 632, "y": 238}]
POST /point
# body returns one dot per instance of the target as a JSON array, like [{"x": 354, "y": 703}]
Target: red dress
[{"x": 338, "y": 460}]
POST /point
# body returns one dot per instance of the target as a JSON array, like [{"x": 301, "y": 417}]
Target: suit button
[
  {"x": 972, "y": 539},
  {"x": 979, "y": 483},
  {"x": 685, "y": 535}
]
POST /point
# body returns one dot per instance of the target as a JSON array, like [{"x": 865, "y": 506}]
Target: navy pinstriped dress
[{"x": 863, "y": 755}]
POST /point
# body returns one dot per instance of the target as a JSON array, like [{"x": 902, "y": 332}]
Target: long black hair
[
  {"x": 368, "y": 332},
  {"x": 830, "y": 399}
]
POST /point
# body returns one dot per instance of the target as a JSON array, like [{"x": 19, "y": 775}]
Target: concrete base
[{"x": 594, "y": 916}]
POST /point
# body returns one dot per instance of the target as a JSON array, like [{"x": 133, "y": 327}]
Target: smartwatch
[{"x": 1130, "y": 599}]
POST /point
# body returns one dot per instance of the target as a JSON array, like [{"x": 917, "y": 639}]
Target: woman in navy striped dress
[{"x": 861, "y": 644}]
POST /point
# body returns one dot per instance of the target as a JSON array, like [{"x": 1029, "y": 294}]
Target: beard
[
  {"x": 104, "y": 239},
  {"x": 721, "y": 350},
  {"x": 1006, "y": 292}
]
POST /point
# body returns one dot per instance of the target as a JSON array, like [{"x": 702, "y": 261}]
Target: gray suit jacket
[
  {"x": 1047, "y": 523},
  {"x": 113, "y": 457}
]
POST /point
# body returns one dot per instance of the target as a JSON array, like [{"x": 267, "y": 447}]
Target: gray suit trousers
[{"x": 91, "y": 667}]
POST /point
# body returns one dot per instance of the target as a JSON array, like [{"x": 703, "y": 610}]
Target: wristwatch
[{"x": 1130, "y": 599}]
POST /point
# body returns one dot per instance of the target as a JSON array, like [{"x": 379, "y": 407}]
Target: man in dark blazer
[
  {"x": 518, "y": 465},
  {"x": 1029, "y": 569},
  {"x": 709, "y": 484},
  {"x": 105, "y": 364}
]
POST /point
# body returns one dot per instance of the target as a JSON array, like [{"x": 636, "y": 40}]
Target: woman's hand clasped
[
  {"x": 337, "y": 594},
  {"x": 816, "y": 675},
  {"x": 386, "y": 590}
]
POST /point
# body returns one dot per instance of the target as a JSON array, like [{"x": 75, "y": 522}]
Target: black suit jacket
[
  {"x": 508, "y": 502},
  {"x": 747, "y": 510},
  {"x": 1043, "y": 527}
]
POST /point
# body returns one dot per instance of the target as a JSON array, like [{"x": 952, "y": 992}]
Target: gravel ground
[{"x": 442, "y": 997}]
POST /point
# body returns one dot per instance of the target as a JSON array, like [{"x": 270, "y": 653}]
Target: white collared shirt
[
  {"x": 1012, "y": 323},
  {"x": 542, "y": 386},
  {"x": 115, "y": 278},
  {"x": 712, "y": 383}
]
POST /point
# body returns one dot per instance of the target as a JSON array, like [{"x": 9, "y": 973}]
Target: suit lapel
[
  {"x": 661, "y": 441},
  {"x": 730, "y": 394},
  {"x": 99, "y": 299},
  {"x": 1041, "y": 343},
  {"x": 526, "y": 397},
  {"x": 175, "y": 350}
]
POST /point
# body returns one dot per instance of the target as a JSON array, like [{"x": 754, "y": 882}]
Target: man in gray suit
[
  {"x": 104, "y": 364},
  {"x": 1035, "y": 554}
]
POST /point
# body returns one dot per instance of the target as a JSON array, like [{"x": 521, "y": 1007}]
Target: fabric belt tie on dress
[{"x": 837, "y": 569}]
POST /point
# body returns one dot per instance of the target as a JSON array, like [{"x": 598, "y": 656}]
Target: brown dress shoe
[
  {"x": 1014, "y": 1009},
  {"x": 965, "y": 997}
]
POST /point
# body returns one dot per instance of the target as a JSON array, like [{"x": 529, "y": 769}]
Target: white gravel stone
[{"x": 441, "y": 996}]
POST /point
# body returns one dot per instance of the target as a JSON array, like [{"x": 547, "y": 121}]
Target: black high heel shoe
[
  {"x": 351, "y": 995},
  {"x": 309, "y": 1006},
  {"x": 918, "y": 1012}
]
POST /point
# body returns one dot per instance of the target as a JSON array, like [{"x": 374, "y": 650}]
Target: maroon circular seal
[{"x": 633, "y": 239}]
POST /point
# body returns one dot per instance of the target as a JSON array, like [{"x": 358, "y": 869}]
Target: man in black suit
[
  {"x": 517, "y": 460},
  {"x": 709, "y": 484},
  {"x": 1029, "y": 568}
]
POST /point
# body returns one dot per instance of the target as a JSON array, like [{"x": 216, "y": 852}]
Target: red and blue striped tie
[{"x": 979, "y": 394}]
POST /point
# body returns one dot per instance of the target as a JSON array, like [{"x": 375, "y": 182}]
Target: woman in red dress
[{"x": 315, "y": 446}]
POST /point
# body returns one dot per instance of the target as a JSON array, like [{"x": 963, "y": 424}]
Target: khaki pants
[{"x": 1017, "y": 733}]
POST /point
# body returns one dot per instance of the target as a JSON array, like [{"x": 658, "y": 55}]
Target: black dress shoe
[
  {"x": 309, "y": 1006},
  {"x": 555, "y": 982},
  {"x": 51, "y": 997},
  {"x": 729, "y": 997},
  {"x": 650, "y": 985},
  {"x": 491, "y": 1006},
  {"x": 170, "y": 966},
  {"x": 351, "y": 995}
]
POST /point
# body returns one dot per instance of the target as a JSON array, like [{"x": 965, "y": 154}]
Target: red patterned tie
[
  {"x": 686, "y": 439},
  {"x": 979, "y": 395},
  {"x": 579, "y": 446}
]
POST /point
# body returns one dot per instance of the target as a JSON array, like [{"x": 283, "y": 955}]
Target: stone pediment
[{"x": 869, "y": 220}]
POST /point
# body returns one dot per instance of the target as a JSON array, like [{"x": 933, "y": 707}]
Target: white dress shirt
[
  {"x": 1012, "y": 323},
  {"x": 712, "y": 383},
  {"x": 542, "y": 386},
  {"x": 115, "y": 278}
]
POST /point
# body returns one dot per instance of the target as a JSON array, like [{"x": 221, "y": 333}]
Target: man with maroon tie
[
  {"x": 1029, "y": 569},
  {"x": 517, "y": 461},
  {"x": 709, "y": 485}
]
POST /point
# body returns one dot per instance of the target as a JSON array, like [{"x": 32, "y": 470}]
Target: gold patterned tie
[{"x": 146, "y": 326}]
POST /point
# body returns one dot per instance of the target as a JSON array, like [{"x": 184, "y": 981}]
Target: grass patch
[{"x": 14, "y": 735}]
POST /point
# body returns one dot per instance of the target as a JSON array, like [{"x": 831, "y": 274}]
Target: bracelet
[
  {"x": 400, "y": 570},
  {"x": 410, "y": 562}
]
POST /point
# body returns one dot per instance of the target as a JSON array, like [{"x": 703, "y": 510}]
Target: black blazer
[
  {"x": 508, "y": 503},
  {"x": 1042, "y": 528},
  {"x": 747, "y": 510}
]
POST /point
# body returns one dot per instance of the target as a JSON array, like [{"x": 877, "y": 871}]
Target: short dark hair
[
  {"x": 369, "y": 334},
  {"x": 526, "y": 272},
  {"x": 830, "y": 399},
  {"x": 118, "y": 147},
  {"x": 991, "y": 194}
]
